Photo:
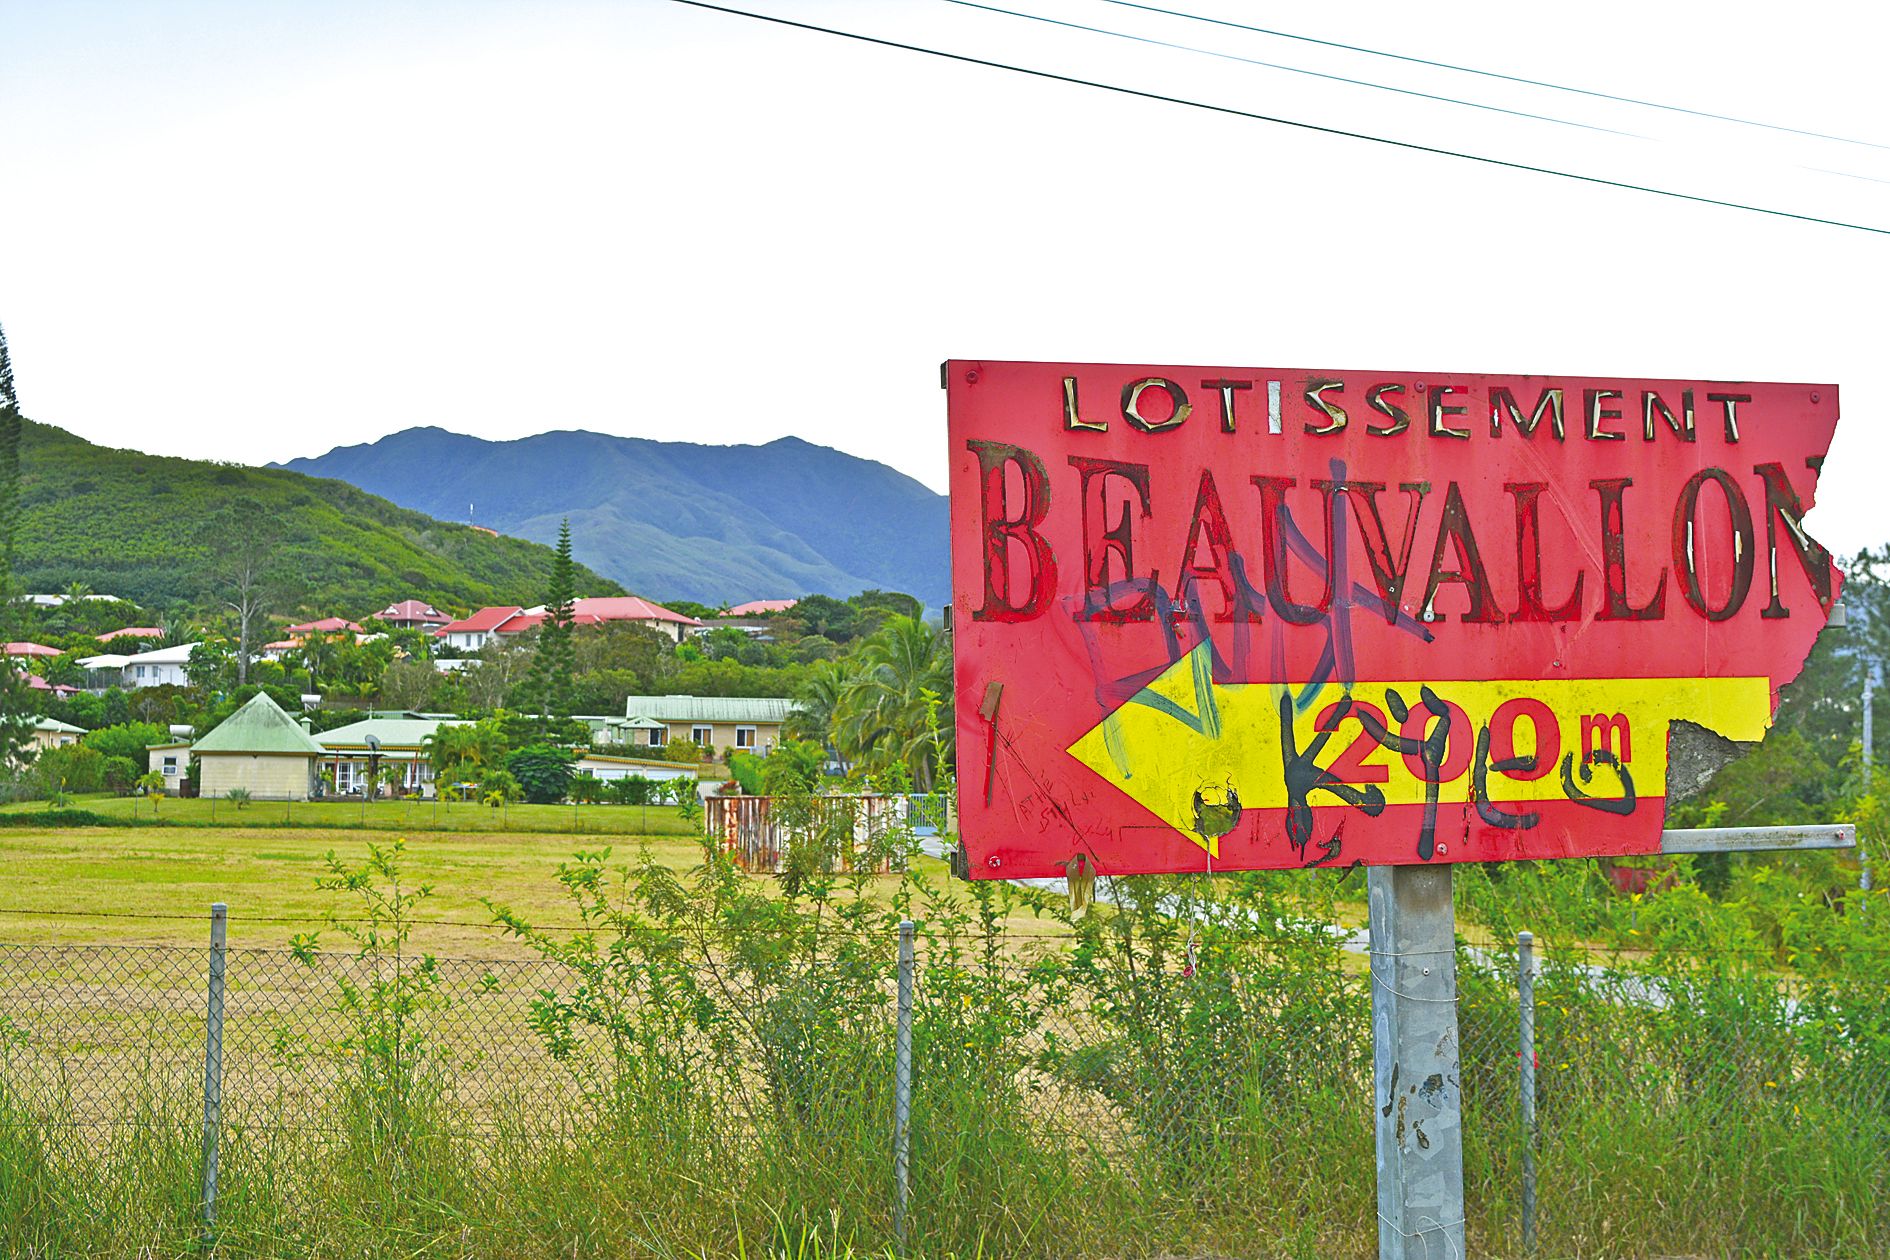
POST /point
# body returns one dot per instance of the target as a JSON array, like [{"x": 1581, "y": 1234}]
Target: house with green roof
[
  {"x": 353, "y": 754},
  {"x": 52, "y": 733},
  {"x": 746, "y": 723},
  {"x": 260, "y": 749}
]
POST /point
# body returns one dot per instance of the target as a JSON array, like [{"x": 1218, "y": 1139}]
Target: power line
[
  {"x": 1597, "y": 180},
  {"x": 1275, "y": 65},
  {"x": 1494, "y": 74}
]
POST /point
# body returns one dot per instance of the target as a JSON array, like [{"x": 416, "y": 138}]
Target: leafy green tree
[
  {"x": 129, "y": 741},
  {"x": 632, "y": 789},
  {"x": 543, "y": 772},
  {"x": 875, "y": 607},
  {"x": 72, "y": 768},
  {"x": 214, "y": 665},
  {"x": 119, "y": 774},
  {"x": 825, "y": 615},
  {"x": 408, "y": 684},
  {"x": 747, "y": 770},
  {"x": 726, "y": 642},
  {"x": 793, "y": 766}
]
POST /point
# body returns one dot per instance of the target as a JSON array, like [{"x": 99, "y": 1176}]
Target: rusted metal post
[
  {"x": 902, "y": 1089},
  {"x": 213, "y": 1067},
  {"x": 1526, "y": 1053},
  {"x": 1418, "y": 1094}
]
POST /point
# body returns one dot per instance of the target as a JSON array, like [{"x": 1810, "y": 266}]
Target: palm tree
[
  {"x": 895, "y": 709},
  {"x": 318, "y": 652},
  {"x": 471, "y": 745},
  {"x": 817, "y": 700}
]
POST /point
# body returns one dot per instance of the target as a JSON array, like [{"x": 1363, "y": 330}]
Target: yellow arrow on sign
[{"x": 1189, "y": 749}]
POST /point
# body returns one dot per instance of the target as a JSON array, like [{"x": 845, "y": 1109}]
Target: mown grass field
[
  {"x": 101, "y": 885},
  {"x": 385, "y": 815}
]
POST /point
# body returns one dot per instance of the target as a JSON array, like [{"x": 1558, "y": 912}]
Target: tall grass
[{"x": 1187, "y": 1074}]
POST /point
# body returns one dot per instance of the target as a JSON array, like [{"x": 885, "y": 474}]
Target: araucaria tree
[
  {"x": 551, "y": 667},
  {"x": 16, "y": 700}
]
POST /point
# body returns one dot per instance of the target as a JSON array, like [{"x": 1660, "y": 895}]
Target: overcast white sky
[{"x": 251, "y": 231}]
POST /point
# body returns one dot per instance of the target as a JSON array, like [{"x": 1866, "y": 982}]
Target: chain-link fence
[{"x": 1222, "y": 1103}]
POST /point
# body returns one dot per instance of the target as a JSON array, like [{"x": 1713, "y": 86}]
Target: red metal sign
[{"x": 1225, "y": 618}]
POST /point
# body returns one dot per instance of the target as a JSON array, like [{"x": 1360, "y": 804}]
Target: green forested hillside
[{"x": 178, "y": 533}]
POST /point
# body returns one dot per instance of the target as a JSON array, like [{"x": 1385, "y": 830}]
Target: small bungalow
[
  {"x": 260, "y": 749},
  {"x": 745, "y": 723},
  {"x": 353, "y": 754},
  {"x": 25, "y": 650},
  {"x": 52, "y": 733},
  {"x": 170, "y": 761}
]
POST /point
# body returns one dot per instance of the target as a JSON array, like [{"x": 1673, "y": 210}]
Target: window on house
[
  {"x": 704, "y": 735},
  {"x": 744, "y": 737},
  {"x": 170, "y": 766},
  {"x": 659, "y": 735}
]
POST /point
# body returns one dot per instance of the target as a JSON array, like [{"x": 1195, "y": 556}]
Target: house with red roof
[
  {"x": 296, "y": 636},
  {"x": 413, "y": 614},
  {"x": 133, "y": 632},
  {"x": 327, "y": 625},
  {"x": 472, "y": 632},
  {"x": 635, "y": 609},
  {"x": 475, "y": 630},
  {"x": 28, "y": 649},
  {"x": 761, "y": 607}
]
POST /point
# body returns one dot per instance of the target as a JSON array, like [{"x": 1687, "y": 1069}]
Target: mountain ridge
[{"x": 690, "y": 520}]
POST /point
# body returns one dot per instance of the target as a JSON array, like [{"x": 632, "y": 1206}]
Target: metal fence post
[
  {"x": 1416, "y": 1067},
  {"x": 1863, "y": 858},
  {"x": 902, "y": 1088},
  {"x": 213, "y": 1066},
  {"x": 1526, "y": 1009}
]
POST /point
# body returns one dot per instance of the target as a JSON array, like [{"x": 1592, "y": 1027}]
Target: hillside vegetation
[
  {"x": 166, "y": 533},
  {"x": 708, "y": 523}
]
